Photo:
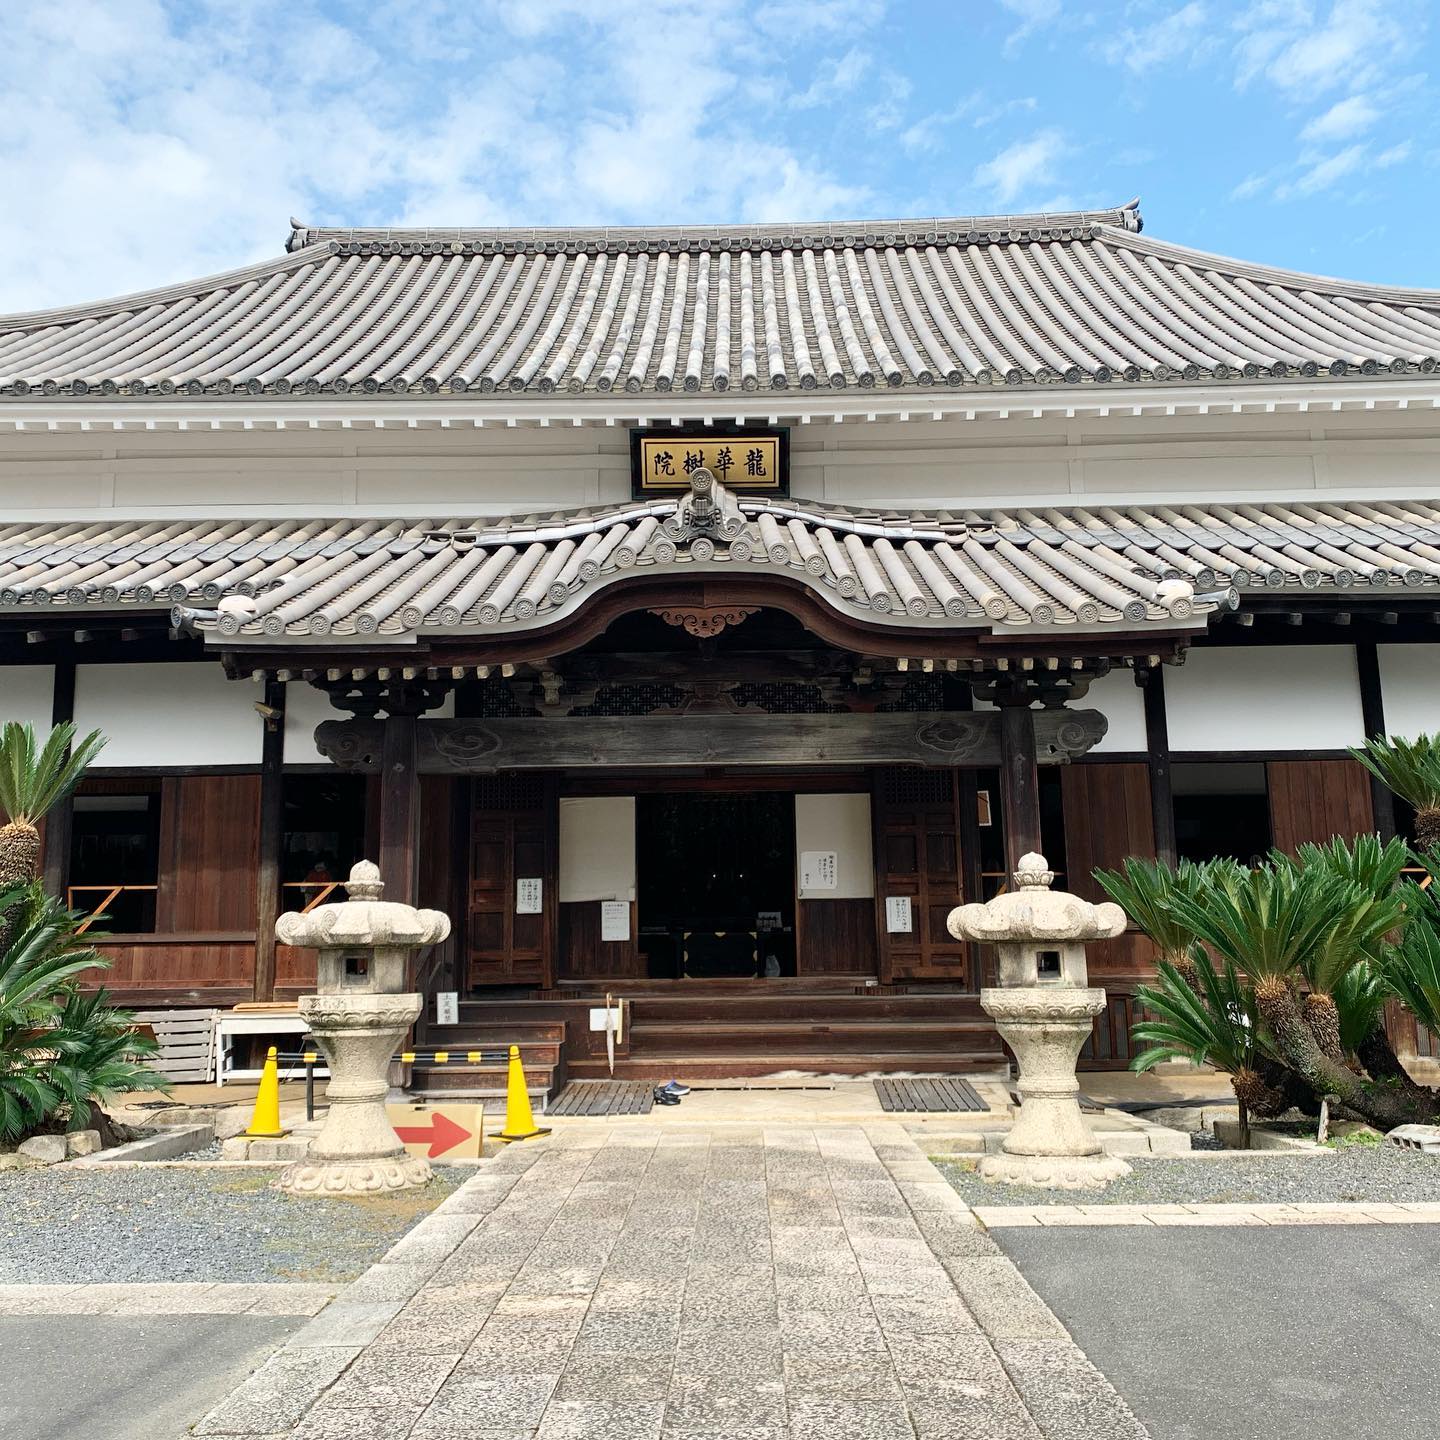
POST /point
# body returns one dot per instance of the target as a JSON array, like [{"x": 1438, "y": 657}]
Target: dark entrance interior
[{"x": 716, "y": 885}]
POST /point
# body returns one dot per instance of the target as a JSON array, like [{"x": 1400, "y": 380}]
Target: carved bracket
[{"x": 707, "y": 621}]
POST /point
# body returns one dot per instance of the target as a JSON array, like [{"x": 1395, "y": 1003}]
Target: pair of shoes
[
  {"x": 674, "y": 1087},
  {"x": 665, "y": 1097}
]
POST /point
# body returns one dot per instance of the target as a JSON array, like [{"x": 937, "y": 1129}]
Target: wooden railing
[
  {"x": 323, "y": 891},
  {"x": 111, "y": 894}
]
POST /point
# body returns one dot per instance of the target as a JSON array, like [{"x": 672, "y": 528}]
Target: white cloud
[
  {"x": 1395, "y": 155},
  {"x": 1323, "y": 174},
  {"x": 1182, "y": 33},
  {"x": 1033, "y": 15},
  {"x": 1351, "y": 116},
  {"x": 1349, "y": 49},
  {"x": 148, "y": 141},
  {"x": 836, "y": 79},
  {"x": 1022, "y": 167}
]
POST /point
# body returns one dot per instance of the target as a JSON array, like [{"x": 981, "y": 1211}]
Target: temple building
[{"x": 698, "y": 614}]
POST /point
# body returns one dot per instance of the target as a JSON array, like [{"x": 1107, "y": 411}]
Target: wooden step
[
  {"x": 473, "y": 1035},
  {"x": 687, "y": 1067},
  {"x": 654, "y": 1009},
  {"x": 801, "y": 1037}
]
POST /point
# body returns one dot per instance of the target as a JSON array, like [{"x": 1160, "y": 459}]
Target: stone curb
[
  {"x": 170, "y": 1142},
  {"x": 181, "y": 1298},
  {"x": 993, "y": 1217}
]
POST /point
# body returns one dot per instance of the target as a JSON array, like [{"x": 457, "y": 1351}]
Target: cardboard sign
[
  {"x": 898, "y": 919},
  {"x": 614, "y": 920},
  {"x": 440, "y": 1132},
  {"x": 529, "y": 896}
]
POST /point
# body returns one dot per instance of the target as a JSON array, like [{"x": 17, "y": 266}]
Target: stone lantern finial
[{"x": 364, "y": 882}]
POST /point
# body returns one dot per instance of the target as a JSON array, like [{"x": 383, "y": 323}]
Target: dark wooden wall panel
[
  {"x": 209, "y": 851},
  {"x": 837, "y": 937},
  {"x": 584, "y": 956},
  {"x": 1107, "y": 818},
  {"x": 1317, "y": 799},
  {"x": 177, "y": 970}
]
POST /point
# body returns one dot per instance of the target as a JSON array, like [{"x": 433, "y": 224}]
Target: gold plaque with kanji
[{"x": 749, "y": 462}]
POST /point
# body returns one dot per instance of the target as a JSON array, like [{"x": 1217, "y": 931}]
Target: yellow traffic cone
[
  {"x": 265, "y": 1122},
  {"x": 519, "y": 1119}
]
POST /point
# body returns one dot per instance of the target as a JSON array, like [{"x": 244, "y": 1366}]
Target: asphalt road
[
  {"x": 107, "y": 1377},
  {"x": 1317, "y": 1332}
]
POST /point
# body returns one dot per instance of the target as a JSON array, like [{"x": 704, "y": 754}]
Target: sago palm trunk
[
  {"x": 19, "y": 865},
  {"x": 1427, "y": 827},
  {"x": 1323, "y": 1018}
]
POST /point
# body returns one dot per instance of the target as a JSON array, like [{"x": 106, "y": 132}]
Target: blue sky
[{"x": 146, "y": 142}]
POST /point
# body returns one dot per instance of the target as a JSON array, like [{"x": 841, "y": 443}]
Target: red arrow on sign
[{"x": 441, "y": 1134}]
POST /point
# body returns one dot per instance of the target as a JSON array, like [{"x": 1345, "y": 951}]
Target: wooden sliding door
[{"x": 513, "y": 828}]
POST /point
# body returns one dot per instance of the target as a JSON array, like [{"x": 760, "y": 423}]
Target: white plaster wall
[
  {"x": 1273, "y": 698},
  {"x": 1119, "y": 699},
  {"x": 1117, "y": 457},
  {"x": 169, "y": 715},
  {"x": 597, "y": 847},
  {"x": 840, "y": 823},
  {"x": 1410, "y": 689},
  {"x": 306, "y": 706},
  {"x": 26, "y": 695}
]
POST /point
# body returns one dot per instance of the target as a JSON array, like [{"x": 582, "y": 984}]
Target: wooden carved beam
[
  {"x": 705, "y": 621},
  {"x": 936, "y": 739}
]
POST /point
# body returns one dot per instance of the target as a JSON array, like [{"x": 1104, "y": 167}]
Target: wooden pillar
[
  {"x": 1372, "y": 716},
  {"x": 59, "y": 822},
  {"x": 272, "y": 839},
  {"x": 1019, "y": 781},
  {"x": 1157, "y": 745},
  {"x": 399, "y": 810}
]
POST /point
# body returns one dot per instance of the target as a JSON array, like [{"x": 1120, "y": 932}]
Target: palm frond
[
  {"x": 1214, "y": 1022},
  {"x": 1146, "y": 889},
  {"x": 1411, "y": 970},
  {"x": 1360, "y": 997},
  {"x": 34, "y": 778},
  {"x": 1411, "y": 768}
]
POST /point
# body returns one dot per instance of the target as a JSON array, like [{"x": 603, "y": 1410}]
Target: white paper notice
[
  {"x": 614, "y": 919},
  {"x": 529, "y": 896},
  {"x": 897, "y": 914},
  {"x": 819, "y": 869},
  {"x": 447, "y": 1007}
]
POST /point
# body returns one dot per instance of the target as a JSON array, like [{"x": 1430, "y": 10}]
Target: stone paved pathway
[
  {"x": 1209, "y": 1213},
  {"x": 634, "y": 1282}
]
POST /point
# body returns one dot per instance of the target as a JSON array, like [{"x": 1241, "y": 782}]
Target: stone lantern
[
  {"x": 1044, "y": 1008},
  {"x": 358, "y": 1017}
]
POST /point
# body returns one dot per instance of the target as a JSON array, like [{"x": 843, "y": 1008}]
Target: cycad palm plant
[
  {"x": 1411, "y": 768},
  {"x": 1146, "y": 889},
  {"x": 1285, "y": 920},
  {"x": 97, "y": 1056},
  {"x": 37, "y": 967},
  {"x": 1209, "y": 1018},
  {"x": 1358, "y": 934}
]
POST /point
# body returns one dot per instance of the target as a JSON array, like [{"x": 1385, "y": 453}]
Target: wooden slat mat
[
  {"x": 603, "y": 1097},
  {"x": 946, "y": 1092}
]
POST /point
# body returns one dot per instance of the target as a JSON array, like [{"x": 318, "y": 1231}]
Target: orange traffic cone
[{"x": 519, "y": 1119}]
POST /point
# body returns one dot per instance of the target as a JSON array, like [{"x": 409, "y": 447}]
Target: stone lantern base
[
  {"x": 1051, "y": 1144},
  {"x": 357, "y": 1151}
]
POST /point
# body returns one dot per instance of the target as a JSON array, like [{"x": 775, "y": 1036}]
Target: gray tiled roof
[
  {"x": 977, "y": 303},
  {"x": 1070, "y": 570}
]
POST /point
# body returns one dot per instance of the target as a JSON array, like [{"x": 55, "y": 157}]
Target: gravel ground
[
  {"x": 75, "y": 1226},
  {"x": 1354, "y": 1173}
]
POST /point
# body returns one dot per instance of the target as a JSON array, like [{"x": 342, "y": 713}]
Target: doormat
[
  {"x": 943, "y": 1093},
  {"x": 604, "y": 1097}
]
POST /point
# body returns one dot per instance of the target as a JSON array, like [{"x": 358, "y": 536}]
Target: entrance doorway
[{"x": 716, "y": 885}]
